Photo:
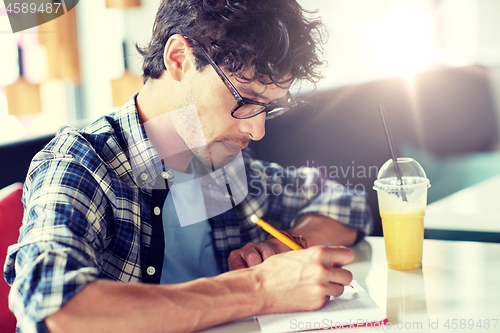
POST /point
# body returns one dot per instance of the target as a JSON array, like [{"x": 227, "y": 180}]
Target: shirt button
[
  {"x": 168, "y": 175},
  {"x": 144, "y": 176},
  {"x": 157, "y": 210},
  {"x": 151, "y": 270}
]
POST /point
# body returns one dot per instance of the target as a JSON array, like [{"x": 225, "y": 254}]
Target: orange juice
[
  {"x": 403, "y": 235},
  {"x": 402, "y": 199}
]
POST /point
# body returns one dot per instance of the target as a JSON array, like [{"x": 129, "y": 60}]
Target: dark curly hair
[{"x": 273, "y": 37}]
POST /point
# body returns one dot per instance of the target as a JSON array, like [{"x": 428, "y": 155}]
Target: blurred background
[{"x": 435, "y": 64}]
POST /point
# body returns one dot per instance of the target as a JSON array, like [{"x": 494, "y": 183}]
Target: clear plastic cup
[{"x": 402, "y": 208}]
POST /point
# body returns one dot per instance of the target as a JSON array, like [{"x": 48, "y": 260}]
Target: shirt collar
[{"x": 144, "y": 160}]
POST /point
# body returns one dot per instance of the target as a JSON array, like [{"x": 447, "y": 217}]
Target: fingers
[
  {"x": 267, "y": 251},
  {"x": 235, "y": 261},
  {"x": 307, "y": 277},
  {"x": 250, "y": 255},
  {"x": 337, "y": 279},
  {"x": 332, "y": 278},
  {"x": 332, "y": 274},
  {"x": 334, "y": 289},
  {"x": 336, "y": 256}
]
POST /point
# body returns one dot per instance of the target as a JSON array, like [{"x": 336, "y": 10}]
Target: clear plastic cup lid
[{"x": 413, "y": 175}]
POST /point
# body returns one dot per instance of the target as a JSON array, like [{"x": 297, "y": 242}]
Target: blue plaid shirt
[{"x": 86, "y": 217}]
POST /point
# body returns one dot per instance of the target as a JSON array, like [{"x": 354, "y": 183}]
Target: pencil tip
[{"x": 254, "y": 218}]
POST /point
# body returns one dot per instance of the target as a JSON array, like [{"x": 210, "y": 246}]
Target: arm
[
  {"x": 328, "y": 214},
  {"x": 295, "y": 281},
  {"x": 323, "y": 230},
  {"x": 312, "y": 229}
]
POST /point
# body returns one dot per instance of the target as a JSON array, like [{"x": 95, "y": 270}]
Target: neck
[{"x": 155, "y": 115}]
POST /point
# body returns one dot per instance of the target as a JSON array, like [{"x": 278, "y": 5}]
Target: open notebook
[{"x": 354, "y": 308}]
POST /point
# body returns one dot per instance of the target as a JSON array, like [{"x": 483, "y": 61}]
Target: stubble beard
[{"x": 211, "y": 154}]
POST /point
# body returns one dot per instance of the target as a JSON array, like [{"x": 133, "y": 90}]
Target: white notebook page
[{"x": 354, "y": 306}]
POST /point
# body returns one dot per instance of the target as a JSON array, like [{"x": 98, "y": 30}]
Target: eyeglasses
[{"x": 247, "y": 108}]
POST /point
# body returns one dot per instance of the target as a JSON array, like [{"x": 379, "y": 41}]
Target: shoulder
[
  {"x": 75, "y": 154},
  {"x": 84, "y": 146}
]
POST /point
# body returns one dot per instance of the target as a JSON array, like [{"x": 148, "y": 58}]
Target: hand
[
  {"x": 302, "y": 280},
  {"x": 253, "y": 254}
]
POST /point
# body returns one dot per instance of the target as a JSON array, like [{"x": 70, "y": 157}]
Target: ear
[{"x": 177, "y": 56}]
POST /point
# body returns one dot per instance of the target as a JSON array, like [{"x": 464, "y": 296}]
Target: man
[{"x": 119, "y": 201}]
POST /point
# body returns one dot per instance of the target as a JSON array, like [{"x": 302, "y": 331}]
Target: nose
[{"x": 255, "y": 127}]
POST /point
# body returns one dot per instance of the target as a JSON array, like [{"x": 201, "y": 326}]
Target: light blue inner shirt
[{"x": 189, "y": 253}]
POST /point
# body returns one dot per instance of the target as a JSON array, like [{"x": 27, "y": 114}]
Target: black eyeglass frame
[{"x": 240, "y": 100}]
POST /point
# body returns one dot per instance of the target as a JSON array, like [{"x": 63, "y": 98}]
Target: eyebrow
[{"x": 251, "y": 92}]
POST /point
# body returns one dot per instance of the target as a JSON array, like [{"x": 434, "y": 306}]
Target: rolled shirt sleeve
[
  {"x": 58, "y": 249},
  {"x": 87, "y": 215},
  {"x": 292, "y": 192}
]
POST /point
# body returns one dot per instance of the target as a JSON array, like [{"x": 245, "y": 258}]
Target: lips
[{"x": 234, "y": 149}]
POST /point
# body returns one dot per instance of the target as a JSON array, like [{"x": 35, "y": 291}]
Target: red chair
[{"x": 11, "y": 216}]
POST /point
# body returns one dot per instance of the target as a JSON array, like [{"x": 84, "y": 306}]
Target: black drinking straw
[{"x": 399, "y": 175}]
